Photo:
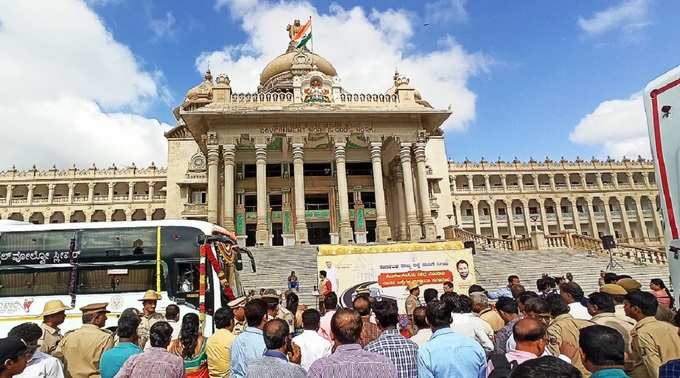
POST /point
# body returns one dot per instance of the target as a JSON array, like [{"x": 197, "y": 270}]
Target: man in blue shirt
[
  {"x": 249, "y": 345},
  {"x": 603, "y": 351},
  {"x": 448, "y": 354},
  {"x": 113, "y": 359}
]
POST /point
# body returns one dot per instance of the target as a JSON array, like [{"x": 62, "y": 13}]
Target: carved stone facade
[
  {"x": 83, "y": 195},
  {"x": 592, "y": 198}
]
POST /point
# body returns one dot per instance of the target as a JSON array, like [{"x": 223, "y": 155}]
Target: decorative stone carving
[
  {"x": 198, "y": 163},
  {"x": 199, "y": 95}
]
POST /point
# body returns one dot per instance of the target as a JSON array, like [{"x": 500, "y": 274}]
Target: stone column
[
  {"x": 346, "y": 234},
  {"x": 615, "y": 180},
  {"x": 229, "y": 155},
  {"x": 583, "y": 179},
  {"x": 411, "y": 215},
  {"x": 90, "y": 192},
  {"x": 527, "y": 218},
  {"x": 544, "y": 216},
  {"x": 399, "y": 186},
  {"x": 624, "y": 218},
  {"x": 641, "y": 217},
  {"x": 520, "y": 182},
  {"x": 29, "y": 196},
  {"x": 551, "y": 177},
  {"x": 591, "y": 215},
  {"x": 536, "y": 183},
  {"x": 558, "y": 215},
  {"x": 454, "y": 188},
  {"x": 50, "y": 193},
  {"x": 131, "y": 190},
  {"x": 487, "y": 183},
  {"x": 504, "y": 183},
  {"x": 301, "y": 236},
  {"x": 657, "y": 222},
  {"x": 475, "y": 216},
  {"x": 598, "y": 179},
  {"x": 152, "y": 187},
  {"x": 458, "y": 213},
  {"x": 8, "y": 199},
  {"x": 645, "y": 178},
  {"x": 213, "y": 160},
  {"x": 383, "y": 233},
  {"x": 568, "y": 181},
  {"x": 71, "y": 189},
  {"x": 494, "y": 223},
  {"x": 631, "y": 180},
  {"x": 574, "y": 215},
  {"x": 608, "y": 217},
  {"x": 508, "y": 212},
  {"x": 262, "y": 231},
  {"x": 429, "y": 229},
  {"x": 471, "y": 183},
  {"x": 111, "y": 185}
]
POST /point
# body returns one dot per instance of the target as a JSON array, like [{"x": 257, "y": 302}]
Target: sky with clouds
[{"x": 95, "y": 81}]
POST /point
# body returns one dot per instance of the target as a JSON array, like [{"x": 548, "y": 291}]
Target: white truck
[{"x": 662, "y": 105}]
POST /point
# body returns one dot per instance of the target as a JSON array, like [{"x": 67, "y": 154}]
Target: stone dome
[{"x": 284, "y": 63}]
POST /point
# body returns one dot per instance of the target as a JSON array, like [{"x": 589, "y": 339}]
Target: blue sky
[{"x": 539, "y": 78}]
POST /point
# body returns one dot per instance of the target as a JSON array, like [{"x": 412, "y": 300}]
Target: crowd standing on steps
[{"x": 556, "y": 331}]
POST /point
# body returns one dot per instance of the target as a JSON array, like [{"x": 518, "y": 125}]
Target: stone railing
[
  {"x": 642, "y": 255},
  {"x": 556, "y": 241},
  {"x": 262, "y": 97},
  {"x": 524, "y": 244},
  {"x": 369, "y": 97},
  {"x": 586, "y": 243},
  {"x": 481, "y": 240}
]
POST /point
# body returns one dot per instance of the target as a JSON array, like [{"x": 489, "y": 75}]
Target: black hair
[
  {"x": 28, "y": 332},
  {"x": 557, "y": 306},
  {"x": 643, "y": 300},
  {"x": 311, "y": 319},
  {"x": 386, "y": 313},
  {"x": 323, "y": 273},
  {"x": 517, "y": 290},
  {"x": 172, "y": 311},
  {"x": 525, "y": 296},
  {"x": 363, "y": 310},
  {"x": 512, "y": 277},
  {"x": 449, "y": 298},
  {"x": 223, "y": 317},
  {"x": 255, "y": 309},
  {"x": 292, "y": 301},
  {"x": 330, "y": 302},
  {"x": 573, "y": 289},
  {"x": 476, "y": 289},
  {"x": 13, "y": 355},
  {"x": 127, "y": 326},
  {"x": 542, "y": 284},
  {"x": 448, "y": 284},
  {"x": 160, "y": 334},
  {"x": 659, "y": 282},
  {"x": 188, "y": 334},
  {"x": 622, "y": 276},
  {"x": 545, "y": 367},
  {"x": 438, "y": 314},
  {"x": 507, "y": 305},
  {"x": 346, "y": 326},
  {"x": 603, "y": 301},
  {"x": 430, "y": 294},
  {"x": 533, "y": 334},
  {"x": 537, "y": 305},
  {"x": 462, "y": 304},
  {"x": 610, "y": 278},
  {"x": 420, "y": 317},
  {"x": 461, "y": 262},
  {"x": 602, "y": 345},
  {"x": 275, "y": 333},
  {"x": 87, "y": 318}
]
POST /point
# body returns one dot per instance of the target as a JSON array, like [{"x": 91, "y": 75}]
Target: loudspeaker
[
  {"x": 608, "y": 242},
  {"x": 470, "y": 244}
]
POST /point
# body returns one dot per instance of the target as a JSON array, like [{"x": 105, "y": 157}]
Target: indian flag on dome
[{"x": 303, "y": 35}]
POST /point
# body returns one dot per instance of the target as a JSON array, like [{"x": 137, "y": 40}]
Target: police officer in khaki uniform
[
  {"x": 238, "y": 306},
  {"x": 653, "y": 342},
  {"x": 563, "y": 332},
  {"x": 149, "y": 316},
  {"x": 81, "y": 349},
  {"x": 54, "y": 313},
  {"x": 271, "y": 297},
  {"x": 412, "y": 301}
]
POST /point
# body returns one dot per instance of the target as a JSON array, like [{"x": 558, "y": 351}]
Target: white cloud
[
  {"x": 364, "y": 48},
  {"x": 619, "y": 127},
  {"x": 163, "y": 27},
  {"x": 628, "y": 16},
  {"x": 444, "y": 11},
  {"x": 62, "y": 75}
]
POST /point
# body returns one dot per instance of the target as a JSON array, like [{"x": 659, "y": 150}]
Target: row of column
[
  {"x": 552, "y": 183},
  {"x": 576, "y": 221},
  {"x": 383, "y": 231},
  {"x": 71, "y": 191}
]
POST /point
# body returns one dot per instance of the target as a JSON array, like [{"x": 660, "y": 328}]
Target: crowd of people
[{"x": 555, "y": 331}]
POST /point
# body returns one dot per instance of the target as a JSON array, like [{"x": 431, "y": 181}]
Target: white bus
[{"x": 114, "y": 262}]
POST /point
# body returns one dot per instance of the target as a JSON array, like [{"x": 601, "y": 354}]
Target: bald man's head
[
  {"x": 275, "y": 332},
  {"x": 528, "y": 329},
  {"x": 346, "y": 326},
  {"x": 362, "y": 305}
]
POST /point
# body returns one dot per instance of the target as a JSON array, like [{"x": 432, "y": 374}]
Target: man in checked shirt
[{"x": 402, "y": 352}]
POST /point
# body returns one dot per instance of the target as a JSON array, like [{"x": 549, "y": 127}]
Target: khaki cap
[
  {"x": 150, "y": 295},
  {"x": 54, "y": 306},
  {"x": 94, "y": 308},
  {"x": 613, "y": 289},
  {"x": 236, "y": 303},
  {"x": 629, "y": 284},
  {"x": 412, "y": 285}
]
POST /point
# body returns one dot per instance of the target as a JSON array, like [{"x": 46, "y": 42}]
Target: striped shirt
[
  {"x": 350, "y": 361},
  {"x": 402, "y": 352}
]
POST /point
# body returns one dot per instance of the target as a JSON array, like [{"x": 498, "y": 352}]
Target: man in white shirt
[
  {"x": 40, "y": 365},
  {"x": 572, "y": 294},
  {"x": 467, "y": 323},
  {"x": 332, "y": 275},
  {"x": 424, "y": 332},
  {"x": 312, "y": 345}
]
